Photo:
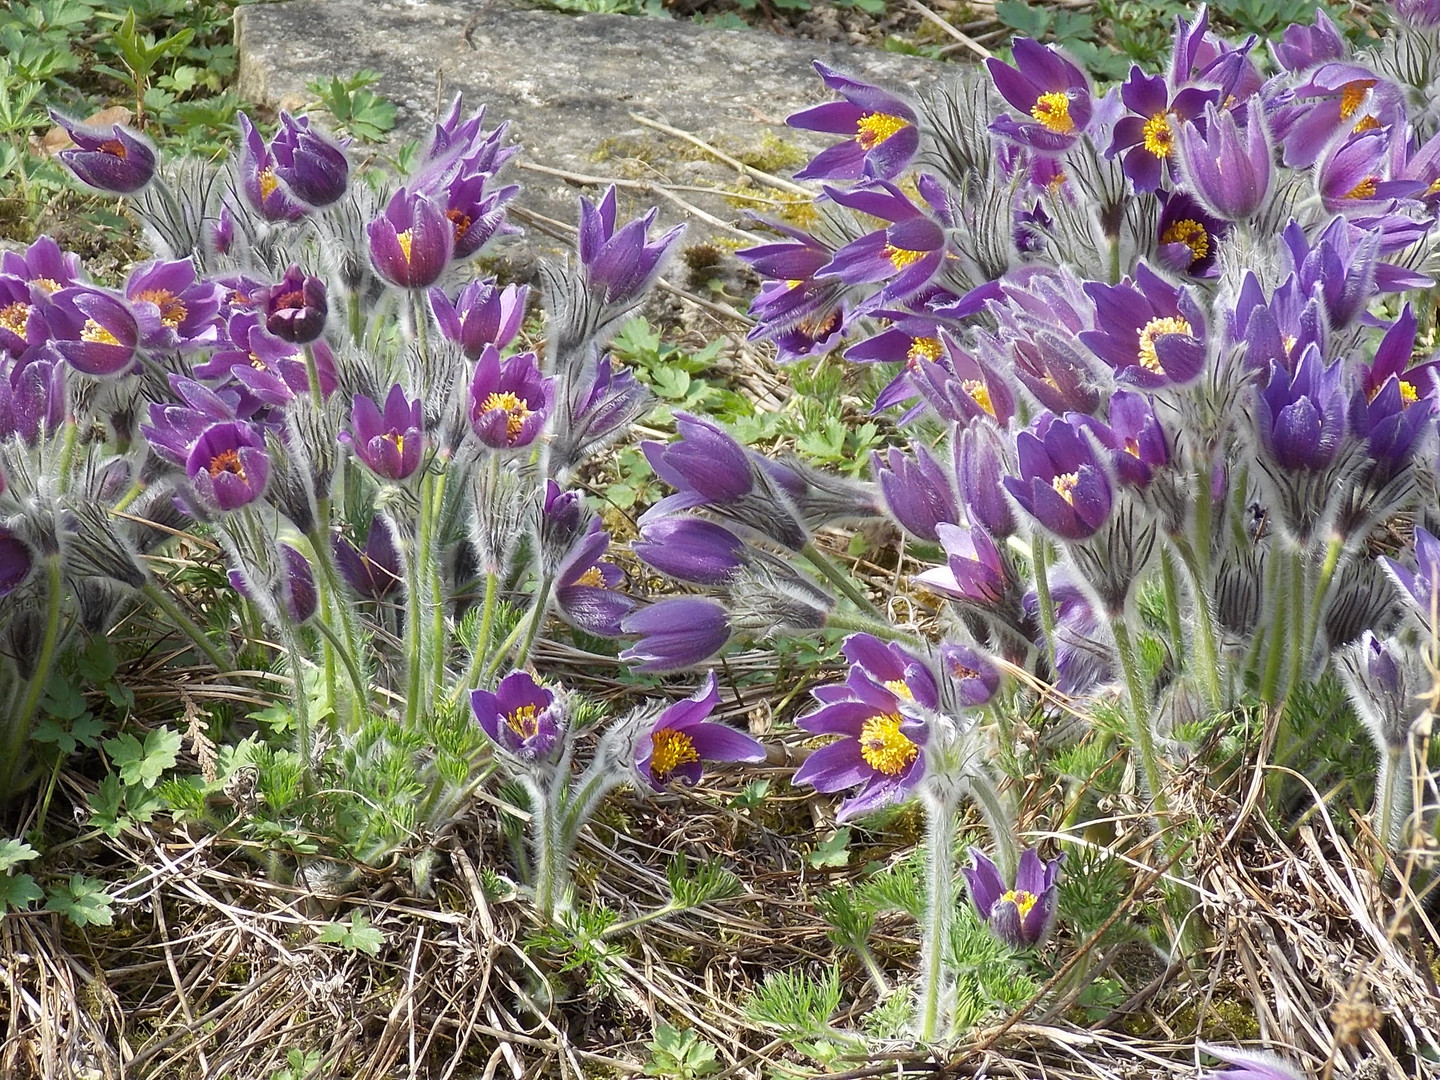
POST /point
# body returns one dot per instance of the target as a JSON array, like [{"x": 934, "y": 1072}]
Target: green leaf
[
  {"x": 83, "y": 901},
  {"x": 13, "y": 852},
  {"x": 680, "y": 1055},
  {"x": 356, "y": 934},
  {"x": 105, "y": 813},
  {"x": 752, "y": 796},
  {"x": 18, "y": 891},
  {"x": 145, "y": 764},
  {"x": 834, "y": 851},
  {"x": 63, "y": 698}
]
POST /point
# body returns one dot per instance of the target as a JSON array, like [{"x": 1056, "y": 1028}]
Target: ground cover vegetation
[{"x": 1046, "y": 685}]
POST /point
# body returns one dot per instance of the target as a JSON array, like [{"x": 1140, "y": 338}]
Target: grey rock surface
[{"x": 569, "y": 85}]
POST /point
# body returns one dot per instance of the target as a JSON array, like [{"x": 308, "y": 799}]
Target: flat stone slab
[{"x": 568, "y": 85}]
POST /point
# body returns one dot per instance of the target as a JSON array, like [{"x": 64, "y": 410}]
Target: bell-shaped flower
[
  {"x": 174, "y": 308},
  {"x": 597, "y": 416},
  {"x": 620, "y": 264},
  {"x": 676, "y": 633},
  {"x": 705, "y": 465},
  {"x": 1303, "y": 47},
  {"x": 412, "y": 241},
  {"x": 1053, "y": 95},
  {"x": 964, "y": 387},
  {"x": 521, "y": 717},
  {"x": 510, "y": 400},
  {"x": 33, "y": 399},
  {"x": 980, "y": 462},
  {"x": 974, "y": 677},
  {"x": 313, "y": 169},
  {"x": 917, "y": 491},
  {"x": 295, "y": 309},
  {"x": 880, "y": 129},
  {"x": 1344, "y": 260},
  {"x": 1133, "y": 436},
  {"x": 98, "y": 333},
  {"x": 587, "y": 587},
  {"x": 259, "y": 183},
  {"x": 800, "y": 312},
  {"x": 1021, "y": 915},
  {"x": 1301, "y": 417},
  {"x": 1188, "y": 236},
  {"x": 1082, "y": 661},
  {"x": 16, "y": 562},
  {"x": 390, "y": 443},
  {"x": 690, "y": 549},
  {"x": 476, "y": 213},
  {"x": 173, "y": 430},
  {"x": 44, "y": 265},
  {"x": 975, "y": 572},
  {"x": 1229, "y": 172},
  {"x": 1388, "y": 684},
  {"x": 481, "y": 315},
  {"x": 298, "y": 600},
  {"x": 375, "y": 572},
  {"x": 683, "y": 736},
  {"x": 117, "y": 161},
  {"x": 228, "y": 467},
  {"x": 1338, "y": 99},
  {"x": 1061, "y": 484}
]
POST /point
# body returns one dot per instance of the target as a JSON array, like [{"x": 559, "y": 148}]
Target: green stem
[
  {"x": 1298, "y": 648},
  {"x": 302, "y": 703},
  {"x": 186, "y": 626},
  {"x": 1007, "y": 857},
  {"x": 939, "y": 910},
  {"x": 1275, "y": 649},
  {"x": 1204, "y": 524},
  {"x": 357, "y": 681},
  {"x": 640, "y": 920},
  {"x": 1040, "y": 559},
  {"x": 133, "y": 492},
  {"x": 332, "y": 592},
  {"x": 548, "y": 859},
  {"x": 18, "y": 732},
  {"x": 357, "y": 328},
  {"x": 839, "y": 579},
  {"x": 1206, "y": 636},
  {"x": 1333, "y": 552},
  {"x": 859, "y": 623},
  {"x": 1140, "y": 730},
  {"x": 482, "y": 644},
  {"x": 312, "y": 373},
  {"x": 438, "y": 637},
  {"x": 1172, "y": 599},
  {"x": 537, "y": 619},
  {"x": 1114, "y": 243}
]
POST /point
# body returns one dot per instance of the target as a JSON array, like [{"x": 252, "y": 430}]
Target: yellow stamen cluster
[
  {"x": 1159, "y": 135},
  {"x": 1434, "y": 188},
  {"x": 1408, "y": 393},
  {"x": 900, "y": 689},
  {"x": 46, "y": 285},
  {"x": 819, "y": 327},
  {"x": 592, "y": 577},
  {"x": 1149, "y": 332},
  {"x": 1363, "y": 190},
  {"x": 404, "y": 240},
  {"x": 1022, "y": 900},
  {"x": 396, "y": 438},
  {"x": 669, "y": 749},
  {"x": 1352, "y": 94},
  {"x": 16, "y": 317},
  {"x": 460, "y": 220},
  {"x": 257, "y": 363},
  {"x": 172, "y": 308},
  {"x": 900, "y": 257},
  {"x": 226, "y": 461},
  {"x": 1065, "y": 484},
  {"x": 1132, "y": 447},
  {"x": 1289, "y": 341},
  {"x": 268, "y": 183},
  {"x": 884, "y": 747},
  {"x": 1053, "y": 110},
  {"x": 980, "y": 393},
  {"x": 924, "y": 348},
  {"x": 1192, "y": 234},
  {"x": 874, "y": 128},
  {"x": 517, "y": 409},
  {"x": 524, "y": 721},
  {"x": 1366, "y": 123},
  {"x": 96, "y": 334}
]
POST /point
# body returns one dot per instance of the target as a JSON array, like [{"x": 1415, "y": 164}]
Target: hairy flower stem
[
  {"x": 312, "y": 374},
  {"x": 332, "y": 595},
  {"x": 999, "y": 820},
  {"x": 357, "y": 325},
  {"x": 1040, "y": 557},
  {"x": 303, "y": 742},
  {"x": 18, "y": 732},
  {"x": 549, "y": 862},
  {"x": 1140, "y": 731},
  {"x": 482, "y": 643},
  {"x": 841, "y": 580},
  {"x": 1113, "y": 243},
  {"x": 939, "y": 908},
  {"x": 836, "y": 620},
  {"x": 1275, "y": 648},
  {"x": 1205, "y": 636},
  {"x": 418, "y": 583},
  {"x": 1390, "y": 792},
  {"x": 182, "y": 622},
  {"x": 438, "y": 637},
  {"x": 1172, "y": 598},
  {"x": 537, "y": 619},
  {"x": 357, "y": 681}
]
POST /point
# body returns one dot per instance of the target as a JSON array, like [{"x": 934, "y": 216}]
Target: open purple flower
[
  {"x": 797, "y": 310},
  {"x": 974, "y": 678},
  {"x": 313, "y": 169},
  {"x": 690, "y": 549},
  {"x": 44, "y": 265},
  {"x": 1189, "y": 235},
  {"x": 390, "y": 444},
  {"x": 173, "y": 308},
  {"x": 228, "y": 467},
  {"x": 1051, "y": 92},
  {"x": 619, "y": 263},
  {"x": 881, "y": 129},
  {"x": 259, "y": 183},
  {"x": 975, "y": 572},
  {"x": 1147, "y": 330},
  {"x": 963, "y": 387},
  {"x": 520, "y": 716},
  {"x": 1062, "y": 484},
  {"x": 1146, "y": 136},
  {"x": 1353, "y": 174},
  {"x": 23, "y": 325},
  {"x": 905, "y": 254},
  {"x": 1339, "y": 98},
  {"x": 99, "y": 332},
  {"x": 295, "y": 309},
  {"x": 1421, "y": 585},
  {"x": 411, "y": 242},
  {"x": 118, "y": 161},
  {"x": 1303, "y": 47},
  {"x": 1022, "y": 915},
  {"x": 675, "y": 633},
  {"x": 587, "y": 587},
  {"x": 476, "y": 215},
  {"x": 375, "y": 572},
  {"x": 683, "y": 736},
  {"x": 509, "y": 399},
  {"x": 1133, "y": 435},
  {"x": 481, "y": 315}
]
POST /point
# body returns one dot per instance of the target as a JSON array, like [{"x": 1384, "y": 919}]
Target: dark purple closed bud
[
  {"x": 16, "y": 562},
  {"x": 916, "y": 490},
  {"x": 375, "y": 572},
  {"x": 1301, "y": 417},
  {"x": 314, "y": 169},
  {"x": 690, "y": 549},
  {"x": 297, "y": 586},
  {"x": 676, "y": 633},
  {"x": 295, "y": 309},
  {"x": 118, "y": 161},
  {"x": 222, "y": 232},
  {"x": 979, "y": 465},
  {"x": 704, "y": 464}
]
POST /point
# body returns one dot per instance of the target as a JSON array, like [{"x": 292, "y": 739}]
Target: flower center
[
  {"x": 517, "y": 408},
  {"x": 1053, "y": 110},
  {"x": 15, "y": 317},
  {"x": 592, "y": 577},
  {"x": 404, "y": 239},
  {"x": 1192, "y": 234},
  {"x": 227, "y": 461},
  {"x": 1159, "y": 136},
  {"x": 1366, "y": 123},
  {"x": 268, "y": 183},
  {"x": 1408, "y": 394},
  {"x": 96, "y": 334},
  {"x": 524, "y": 721},
  {"x": 980, "y": 393},
  {"x": 669, "y": 749},
  {"x": 1064, "y": 485},
  {"x": 45, "y": 284},
  {"x": 1352, "y": 94},
  {"x": 1363, "y": 190},
  {"x": 961, "y": 672},
  {"x": 900, "y": 257},
  {"x": 257, "y": 363},
  {"x": 172, "y": 308},
  {"x": 115, "y": 148},
  {"x": 886, "y": 748},
  {"x": 396, "y": 438},
  {"x": 923, "y": 348},
  {"x": 1149, "y": 332},
  {"x": 294, "y": 299},
  {"x": 872, "y": 129},
  {"x": 1434, "y": 188},
  {"x": 900, "y": 688},
  {"x": 1132, "y": 447},
  {"x": 460, "y": 220},
  {"x": 1022, "y": 900}
]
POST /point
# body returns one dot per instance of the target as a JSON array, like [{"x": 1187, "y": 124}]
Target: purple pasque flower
[
  {"x": 676, "y": 633},
  {"x": 596, "y": 416},
  {"x": 297, "y": 596},
  {"x": 1300, "y": 417},
  {"x": 587, "y": 586},
  {"x": 907, "y": 340},
  {"x": 1279, "y": 328},
  {"x": 1133, "y": 435},
  {"x": 228, "y": 467},
  {"x": 32, "y": 398},
  {"x": 481, "y": 315},
  {"x": 1040, "y": 314},
  {"x": 620, "y": 264},
  {"x": 800, "y": 312},
  {"x": 174, "y": 308},
  {"x": 259, "y": 182},
  {"x": 882, "y": 750},
  {"x": 962, "y": 387},
  {"x": 272, "y": 371},
  {"x": 1352, "y": 174},
  {"x": 97, "y": 333},
  {"x": 390, "y": 443},
  {"x": 1339, "y": 99},
  {"x": 1062, "y": 484},
  {"x": 1249, "y": 1065},
  {"x": 1082, "y": 658},
  {"x": 1423, "y": 164},
  {"x": 1149, "y": 332},
  {"x": 510, "y": 400},
  {"x": 313, "y": 169},
  {"x": 520, "y": 716},
  {"x": 23, "y": 325},
  {"x": 1303, "y": 47},
  {"x": 683, "y": 736},
  {"x": 690, "y": 549},
  {"x": 1420, "y": 586},
  {"x": 174, "y": 430},
  {"x": 1053, "y": 94},
  {"x": 1024, "y": 914},
  {"x": 296, "y": 309},
  {"x": 1227, "y": 171},
  {"x": 1418, "y": 13},
  {"x": 220, "y": 233},
  {"x": 917, "y": 491},
  {"x": 118, "y": 160},
  {"x": 412, "y": 241},
  {"x": 1146, "y": 135},
  {"x": 16, "y": 562},
  {"x": 44, "y": 265},
  {"x": 1188, "y": 236},
  {"x": 1392, "y": 406},
  {"x": 974, "y": 678},
  {"x": 375, "y": 572},
  {"x": 881, "y": 130},
  {"x": 476, "y": 215},
  {"x": 980, "y": 462},
  {"x": 975, "y": 572},
  {"x": 905, "y": 254},
  {"x": 705, "y": 465}
]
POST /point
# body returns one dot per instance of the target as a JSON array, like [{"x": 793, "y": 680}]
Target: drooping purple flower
[
  {"x": 704, "y": 464},
  {"x": 173, "y": 307},
  {"x": 690, "y": 549},
  {"x": 1392, "y": 409},
  {"x": 118, "y": 161},
  {"x": 510, "y": 400},
  {"x": 1025, "y": 914},
  {"x": 32, "y": 398},
  {"x": 975, "y": 572},
  {"x": 389, "y": 444},
  {"x": 481, "y": 315},
  {"x": 1146, "y": 136},
  {"x": 1303, "y": 47},
  {"x": 980, "y": 462},
  {"x": 882, "y": 751},
  {"x": 520, "y": 716},
  {"x": 587, "y": 586},
  {"x": 476, "y": 215},
  {"x": 259, "y": 182},
  {"x": 974, "y": 677},
  {"x": 1149, "y": 332},
  {"x": 683, "y": 736},
  {"x": 1421, "y": 586},
  {"x": 905, "y": 254},
  {"x": 228, "y": 467},
  {"x": 620, "y": 264},
  {"x": 313, "y": 169},
  {"x": 1053, "y": 94},
  {"x": 16, "y": 562},
  {"x": 295, "y": 309},
  {"x": 917, "y": 491},
  {"x": 297, "y": 596},
  {"x": 675, "y": 633},
  {"x": 375, "y": 572},
  {"x": 1301, "y": 417},
  {"x": 1226, "y": 171},
  {"x": 1188, "y": 235},
  {"x": 882, "y": 136},
  {"x": 1387, "y": 684},
  {"x": 1061, "y": 483},
  {"x": 98, "y": 334},
  {"x": 412, "y": 241},
  {"x": 221, "y": 232}
]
